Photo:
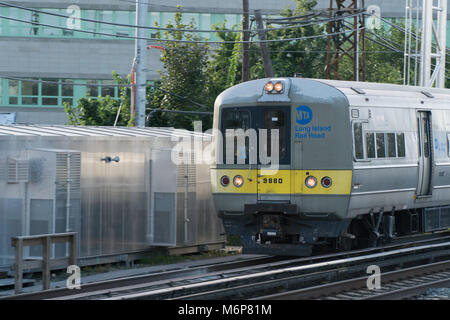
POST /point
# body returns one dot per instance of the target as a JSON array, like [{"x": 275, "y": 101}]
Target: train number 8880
[{"x": 272, "y": 180}]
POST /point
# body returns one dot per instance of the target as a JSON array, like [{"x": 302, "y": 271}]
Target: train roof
[
  {"x": 358, "y": 88},
  {"x": 357, "y": 93}
]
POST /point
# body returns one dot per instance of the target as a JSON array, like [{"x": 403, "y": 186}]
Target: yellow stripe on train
[{"x": 282, "y": 181}]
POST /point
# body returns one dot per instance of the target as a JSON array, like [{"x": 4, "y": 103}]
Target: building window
[
  {"x": 102, "y": 88},
  {"x": 67, "y": 91},
  {"x": 92, "y": 89},
  {"x": 40, "y": 23},
  {"x": 30, "y": 92},
  {"x": 54, "y": 92},
  {"x": 108, "y": 88},
  {"x": 50, "y": 92},
  {"x": 13, "y": 91},
  {"x": 88, "y": 25},
  {"x": 123, "y": 17},
  {"x": 106, "y": 16}
]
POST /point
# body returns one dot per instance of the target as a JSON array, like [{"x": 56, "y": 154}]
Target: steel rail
[
  {"x": 255, "y": 279},
  {"x": 145, "y": 281},
  {"x": 87, "y": 288},
  {"x": 360, "y": 283}
]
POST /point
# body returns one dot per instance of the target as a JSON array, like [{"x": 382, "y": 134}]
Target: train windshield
[
  {"x": 275, "y": 119},
  {"x": 245, "y": 148},
  {"x": 239, "y": 152}
]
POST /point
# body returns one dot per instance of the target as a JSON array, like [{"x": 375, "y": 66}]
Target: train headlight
[
  {"x": 310, "y": 182},
  {"x": 238, "y": 181},
  {"x": 225, "y": 181},
  {"x": 279, "y": 87},
  {"x": 326, "y": 182},
  {"x": 269, "y": 87}
]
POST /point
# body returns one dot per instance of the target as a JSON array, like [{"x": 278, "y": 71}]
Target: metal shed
[{"x": 116, "y": 187}]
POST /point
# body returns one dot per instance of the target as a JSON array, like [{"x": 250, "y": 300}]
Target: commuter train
[{"x": 357, "y": 164}]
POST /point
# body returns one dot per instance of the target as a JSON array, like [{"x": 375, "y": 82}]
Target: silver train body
[{"x": 359, "y": 163}]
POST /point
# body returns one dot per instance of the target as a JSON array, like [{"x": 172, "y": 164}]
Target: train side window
[
  {"x": 370, "y": 142},
  {"x": 392, "y": 153},
  {"x": 401, "y": 152},
  {"x": 381, "y": 151},
  {"x": 448, "y": 144},
  {"x": 358, "y": 139},
  {"x": 426, "y": 138}
]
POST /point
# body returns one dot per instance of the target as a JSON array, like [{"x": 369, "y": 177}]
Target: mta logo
[{"x": 304, "y": 115}]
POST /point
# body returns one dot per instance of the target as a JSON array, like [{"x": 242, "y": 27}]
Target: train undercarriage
[{"x": 274, "y": 229}]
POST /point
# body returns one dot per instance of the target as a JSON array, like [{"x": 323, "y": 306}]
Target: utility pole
[
  {"x": 141, "y": 61},
  {"x": 437, "y": 77},
  {"x": 246, "y": 44},
  {"x": 264, "y": 51},
  {"x": 343, "y": 45}
]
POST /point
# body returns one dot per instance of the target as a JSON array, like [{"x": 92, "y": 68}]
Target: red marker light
[
  {"x": 225, "y": 181},
  {"x": 326, "y": 182}
]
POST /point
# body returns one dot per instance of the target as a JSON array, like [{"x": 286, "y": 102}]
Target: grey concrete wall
[
  {"x": 37, "y": 115},
  {"x": 71, "y": 58},
  {"x": 204, "y": 6},
  {"x": 390, "y": 8}
]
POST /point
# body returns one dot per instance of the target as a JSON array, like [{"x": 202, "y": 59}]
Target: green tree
[
  {"x": 302, "y": 57},
  {"x": 102, "y": 111},
  {"x": 289, "y": 58},
  {"x": 184, "y": 79}
]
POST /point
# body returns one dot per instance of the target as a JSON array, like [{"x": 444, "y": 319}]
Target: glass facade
[
  {"x": 100, "y": 30},
  {"x": 53, "y": 92}
]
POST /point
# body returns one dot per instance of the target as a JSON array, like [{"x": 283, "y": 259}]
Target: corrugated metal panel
[
  {"x": 18, "y": 170},
  {"x": 68, "y": 174},
  {"x": 71, "y": 131},
  {"x": 190, "y": 171}
]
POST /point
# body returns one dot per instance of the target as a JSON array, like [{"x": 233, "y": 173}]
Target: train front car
[{"x": 283, "y": 172}]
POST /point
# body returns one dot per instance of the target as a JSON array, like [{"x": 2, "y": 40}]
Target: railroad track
[
  {"x": 400, "y": 284},
  {"x": 103, "y": 286},
  {"x": 249, "y": 285},
  {"x": 242, "y": 279}
]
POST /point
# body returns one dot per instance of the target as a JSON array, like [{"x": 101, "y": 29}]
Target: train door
[
  {"x": 425, "y": 153},
  {"x": 274, "y": 183}
]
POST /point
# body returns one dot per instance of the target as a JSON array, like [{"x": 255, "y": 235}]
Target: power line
[
  {"x": 409, "y": 33},
  {"x": 307, "y": 23},
  {"x": 358, "y": 13},
  {"x": 174, "y": 8},
  {"x": 175, "y": 40},
  {"x": 312, "y": 14}
]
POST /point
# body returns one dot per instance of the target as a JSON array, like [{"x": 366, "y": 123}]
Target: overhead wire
[
  {"x": 352, "y": 15},
  {"x": 175, "y": 40},
  {"x": 307, "y": 23},
  {"x": 102, "y": 85},
  {"x": 174, "y": 8}
]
